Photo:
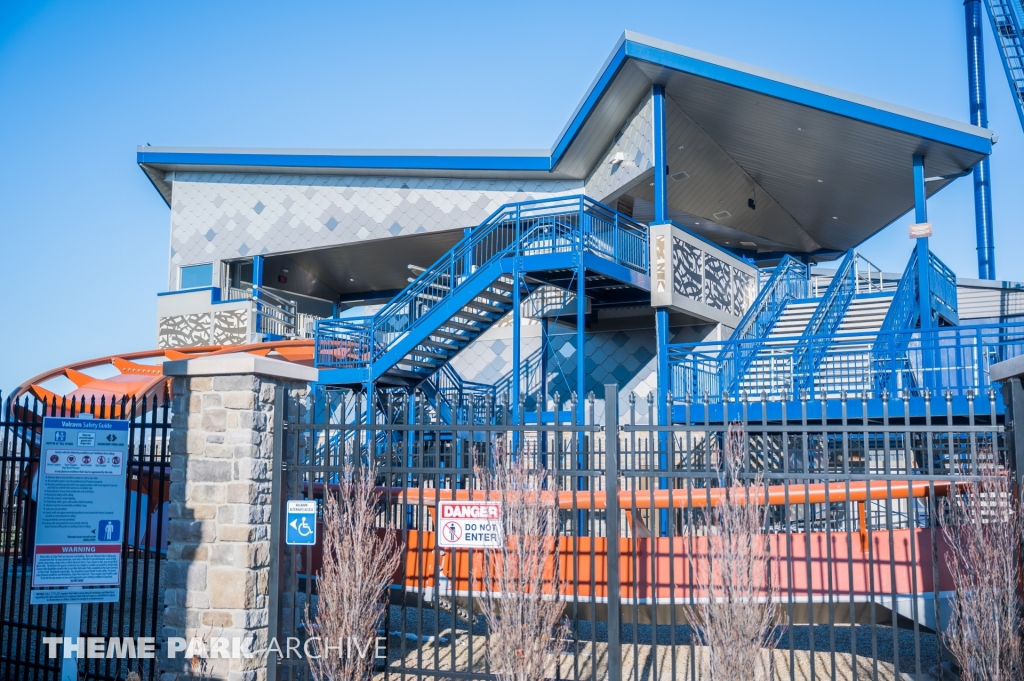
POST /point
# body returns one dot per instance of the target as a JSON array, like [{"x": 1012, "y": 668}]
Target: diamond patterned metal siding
[
  {"x": 636, "y": 144},
  {"x": 219, "y": 216}
]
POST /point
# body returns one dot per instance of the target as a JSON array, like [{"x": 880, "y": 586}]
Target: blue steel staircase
[
  {"x": 889, "y": 353},
  {"x": 474, "y": 284},
  {"x": 825, "y": 321},
  {"x": 787, "y": 283}
]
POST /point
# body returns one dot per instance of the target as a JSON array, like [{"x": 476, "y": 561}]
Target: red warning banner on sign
[{"x": 470, "y": 524}]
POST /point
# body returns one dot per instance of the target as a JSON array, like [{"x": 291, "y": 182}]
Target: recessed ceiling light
[
  {"x": 351, "y": 279},
  {"x": 680, "y": 147},
  {"x": 800, "y": 129},
  {"x": 821, "y": 180},
  {"x": 284, "y": 270},
  {"x": 834, "y": 217},
  {"x": 696, "y": 223},
  {"x": 652, "y": 184}
]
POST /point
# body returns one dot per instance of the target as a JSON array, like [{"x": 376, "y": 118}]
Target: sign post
[{"x": 79, "y": 519}]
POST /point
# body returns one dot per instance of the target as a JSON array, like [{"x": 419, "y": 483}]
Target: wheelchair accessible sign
[
  {"x": 81, "y": 510},
  {"x": 301, "y": 523}
]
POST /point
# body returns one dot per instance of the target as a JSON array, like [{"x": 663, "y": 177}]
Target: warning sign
[
  {"x": 79, "y": 533},
  {"x": 470, "y": 524}
]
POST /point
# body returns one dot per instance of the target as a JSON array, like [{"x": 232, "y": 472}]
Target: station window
[{"x": 196, "y": 276}]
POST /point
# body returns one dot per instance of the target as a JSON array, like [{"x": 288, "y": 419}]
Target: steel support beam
[
  {"x": 661, "y": 314},
  {"x": 660, "y": 162},
  {"x": 257, "y": 283},
  {"x": 517, "y": 370},
  {"x": 923, "y": 267},
  {"x": 582, "y": 463},
  {"x": 979, "y": 117}
]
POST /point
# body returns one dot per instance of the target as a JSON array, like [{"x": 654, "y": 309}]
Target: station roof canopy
[{"x": 827, "y": 168}]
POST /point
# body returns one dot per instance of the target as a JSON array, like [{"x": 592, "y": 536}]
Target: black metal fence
[
  {"x": 139, "y": 611},
  {"x": 857, "y": 559}
]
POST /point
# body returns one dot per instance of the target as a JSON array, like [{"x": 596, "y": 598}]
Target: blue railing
[
  {"x": 943, "y": 289},
  {"x": 938, "y": 359},
  {"x": 460, "y": 394},
  {"x": 546, "y": 226},
  {"x": 905, "y": 311},
  {"x": 788, "y": 282},
  {"x": 825, "y": 321},
  {"x": 343, "y": 342},
  {"x": 529, "y": 373}
]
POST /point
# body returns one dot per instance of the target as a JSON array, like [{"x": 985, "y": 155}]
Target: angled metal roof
[{"x": 828, "y": 168}]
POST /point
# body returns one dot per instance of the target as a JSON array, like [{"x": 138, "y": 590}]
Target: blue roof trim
[
  {"x": 815, "y": 100},
  {"x": 494, "y": 163},
  {"x": 587, "y": 107},
  {"x": 626, "y": 49}
]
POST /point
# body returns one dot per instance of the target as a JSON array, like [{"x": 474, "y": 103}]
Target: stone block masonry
[{"x": 215, "y": 580}]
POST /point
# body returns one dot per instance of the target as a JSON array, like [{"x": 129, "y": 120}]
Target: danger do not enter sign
[{"x": 469, "y": 524}]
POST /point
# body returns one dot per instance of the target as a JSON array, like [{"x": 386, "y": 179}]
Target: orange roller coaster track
[{"x": 138, "y": 376}]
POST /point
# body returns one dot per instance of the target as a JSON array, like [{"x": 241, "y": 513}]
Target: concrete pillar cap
[{"x": 240, "y": 363}]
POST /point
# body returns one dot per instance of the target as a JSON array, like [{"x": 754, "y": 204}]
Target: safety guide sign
[
  {"x": 81, "y": 507},
  {"x": 470, "y": 524}
]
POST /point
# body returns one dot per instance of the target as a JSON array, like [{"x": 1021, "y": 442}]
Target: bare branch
[
  {"x": 359, "y": 562},
  {"x": 983, "y": 529},
  {"x": 736, "y": 614},
  {"x": 521, "y": 608}
]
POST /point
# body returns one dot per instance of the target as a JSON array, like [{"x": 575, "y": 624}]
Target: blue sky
[{"x": 84, "y": 236}]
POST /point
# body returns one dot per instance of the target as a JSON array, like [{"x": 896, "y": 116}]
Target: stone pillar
[{"x": 215, "y": 578}]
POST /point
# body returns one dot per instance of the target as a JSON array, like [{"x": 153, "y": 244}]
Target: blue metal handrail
[
  {"x": 825, "y": 321},
  {"x": 905, "y": 311},
  {"x": 788, "y": 282},
  {"x": 544, "y": 226},
  {"x": 955, "y": 358},
  {"x": 943, "y": 289}
]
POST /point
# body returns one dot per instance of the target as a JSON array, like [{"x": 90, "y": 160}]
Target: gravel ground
[{"x": 833, "y": 657}]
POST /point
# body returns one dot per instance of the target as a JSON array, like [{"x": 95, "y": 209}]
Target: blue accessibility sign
[{"x": 300, "y": 523}]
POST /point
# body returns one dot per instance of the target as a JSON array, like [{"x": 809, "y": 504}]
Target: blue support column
[
  {"x": 517, "y": 369},
  {"x": 660, "y": 161},
  {"x": 543, "y": 397},
  {"x": 581, "y": 340},
  {"x": 661, "y": 314},
  {"x": 257, "y": 283},
  {"x": 924, "y": 287},
  {"x": 661, "y": 215},
  {"x": 923, "y": 267},
  {"x": 979, "y": 117},
  {"x": 582, "y": 462}
]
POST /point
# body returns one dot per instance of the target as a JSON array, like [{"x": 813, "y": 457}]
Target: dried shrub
[
  {"x": 736, "y": 619},
  {"x": 983, "y": 529},
  {"x": 521, "y": 608},
  {"x": 359, "y": 561}
]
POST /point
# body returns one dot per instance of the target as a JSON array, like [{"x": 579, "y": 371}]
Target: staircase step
[
  {"x": 430, "y": 342},
  {"x": 402, "y": 373},
  {"x": 418, "y": 363},
  {"x": 459, "y": 326},
  {"x": 473, "y": 317},
  {"x": 429, "y": 355},
  {"x": 486, "y": 307}
]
